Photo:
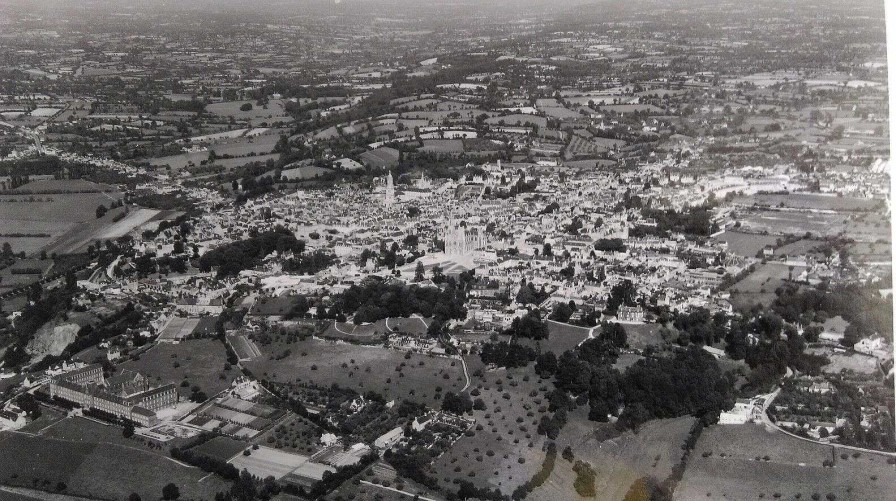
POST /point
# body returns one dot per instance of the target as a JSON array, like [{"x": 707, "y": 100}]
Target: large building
[
  {"x": 461, "y": 240},
  {"x": 128, "y": 396}
]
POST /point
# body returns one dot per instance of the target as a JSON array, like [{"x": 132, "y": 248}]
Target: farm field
[
  {"x": 275, "y": 109},
  {"x": 455, "y": 146},
  {"x": 199, "y": 361},
  {"x": 862, "y": 226},
  {"x": 800, "y": 247},
  {"x": 239, "y": 148},
  {"x": 863, "y": 364},
  {"x": 794, "y": 223},
  {"x": 44, "y": 217},
  {"x": 518, "y": 119},
  {"x": 361, "y": 368},
  {"x": 737, "y": 468},
  {"x": 132, "y": 220},
  {"x": 221, "y": 448},
  {"x": 97, "y": 470},
  {"x": 306, "y": 172},
  {"x": 745, "y": 244},
  {"x": 870, "y": 252},
  {"x": 759, "y": 286},
  {"x": 810, "y": 201}
]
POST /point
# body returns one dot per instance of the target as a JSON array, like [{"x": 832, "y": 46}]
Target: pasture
[
  {"x": 275, "y": 109},
  {"x": 449, "y": 146},
  {"x": 392, "y": 373},
  {"x": 505, "y": 449},
  {"x": 748, "y": 462},
  {"x": 563, "y": 337},
  {"x": 759, "y": 286},
  {"x": 745, "y": 244},
  {"x": 97, "y": 470},
  {"x": 38, "y": 213},
  {"x": 653, "y": 451},
  {"x": 857, "y": 362},
  {"x": 810, "y": 201},
  {"x": 200, "y": 362},
  {"x": 242, "y": 149}
]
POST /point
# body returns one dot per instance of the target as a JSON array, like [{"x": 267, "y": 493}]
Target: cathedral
[{"x": 461, "y": 240}]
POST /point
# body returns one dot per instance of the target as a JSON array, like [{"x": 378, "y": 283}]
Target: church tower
[{"x": 390, "y": 190}]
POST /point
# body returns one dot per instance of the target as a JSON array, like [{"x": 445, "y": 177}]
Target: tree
[
  {"x": 128, "y": 431},
  {"x": 458, "y": 404},
  {"x": 419, "y": 272},
  {"x": 246, "y": 107},
  {"x": 170, "y": 492},
  {"x": 134, "y": 497},
  {"x": 101, "y": 211}
]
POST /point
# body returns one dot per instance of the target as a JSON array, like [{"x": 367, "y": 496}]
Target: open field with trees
[
  {"x": 198, "y": 362},
  {"x": 392, "y": 373}
]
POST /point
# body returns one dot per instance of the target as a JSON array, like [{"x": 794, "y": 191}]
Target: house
[
  {"x": 389, "y": 439},
  {"x": 12, "y": 419},
  {"x": 820, "y": 388},
  {"x": 715, "y": 352},
  {"x": 740, "y": 414},
  {"x": 632, "y": 314}
]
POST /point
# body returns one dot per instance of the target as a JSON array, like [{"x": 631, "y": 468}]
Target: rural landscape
[{"x": 393, "y": 250}]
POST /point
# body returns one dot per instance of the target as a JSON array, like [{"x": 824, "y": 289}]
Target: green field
[
  {"x": 811, "y": 201},
  {"x": 365, "y": 368},
  {"x": 618, "y": 461},
  {"x": 198, "y": 361},
  {"x": 97, "y": 470},
  {"x": 759, "y": 286},
  {"x": 505, "y": 432},
  {"x": 745, "y": 244},
  {"x": 748, "y": 462}
]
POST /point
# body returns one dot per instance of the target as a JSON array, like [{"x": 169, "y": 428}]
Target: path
[
  {"x": 408, "y": 494},
  {"x": 463, "y": 364}
]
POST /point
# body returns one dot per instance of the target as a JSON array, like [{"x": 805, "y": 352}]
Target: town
[{"x": 388, "y": 250}]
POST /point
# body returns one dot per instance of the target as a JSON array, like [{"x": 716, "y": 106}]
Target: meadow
[
  {"x": 200, "y": 362},
  {"x": 759, "y": 286},
  {"x": 505, "y": 449},
  {"x": 748, "y": 462},
  {"x": 97, "y": 470},
  {"x": 392, "y": 373},
  {"x": 745, "y": 244}
]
